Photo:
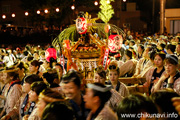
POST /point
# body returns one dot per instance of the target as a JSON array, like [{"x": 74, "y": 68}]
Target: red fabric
[{"x": 14, "y": 82}]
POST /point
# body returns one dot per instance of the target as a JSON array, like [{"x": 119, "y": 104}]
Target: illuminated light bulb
[
  {"x": 57, "y": 10},
  {"x": 72, "y": 7},
  {"x": 13, "y": 15},
  {"x": 38, "y": 11},
  {"x": 46, "y": 11},
  {"x": 4, "y": 16},
  {"x": 95, "y": 3},
  {"x": 26, "y": 13}
]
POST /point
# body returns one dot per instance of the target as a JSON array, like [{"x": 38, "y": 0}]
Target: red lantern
[
  {"x": 50, "y": 52},
  {"x": 115, "y": 43},
  {"x": 81, "y": 25}
]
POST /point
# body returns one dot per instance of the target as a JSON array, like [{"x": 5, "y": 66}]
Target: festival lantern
[
  {"x": 50, "y": 52},
  {"x": 115, "y": 43},
  {"x": 81, "y": 25}
]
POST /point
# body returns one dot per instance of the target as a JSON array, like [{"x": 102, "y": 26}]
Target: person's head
[
  {"x": 97, "y": 94},
  {"x": 126, "y": 42},
  {"x": 178, "y": 48},
  {"x": 52, "y": 62},
  {"x": 42, "y": 54},
  {"x": 177, "y": 39},
  {"x": 18, "y": 50},
  {"x": 29, "y": 58},
  {"x": 140, "y": 48},
  {"x": 99, "y": 75},
  {"x": 71, "y": 85},
  {"x": 49, "y": 77},
  {"x": 25, "y": 53},
  {"x": 131, "y": 43},
  {"x": 170, "y": 48},
  {"x": 57, "y": 111},
  {"x": 59, "y": 69},
  {"x": 151, "y": 55},
  {"x": 128, "y": 54},
  {"x": 28, "y": 80},
  {"x": 159, "y": 59},
  {"x": 162, "y": 46},
  {"x": 113, "y": 72},
  {"x": 162, "y": 99},
  {"x": 46, "y": 64},
  {"x": 137, "y": 104},
  {"x": 27, "y": 48},
  {"x": 22, "y": 68},
  {"x": 36, "y": 88},
  {"x": 34, "y": 66},
  {"x": 10, "y": 75},
  {"x": 36, "y": 55},
  {"x": 171, "y": 64},
  {"x": 47, "y": 96},
  {"x": 146, "y": 51}
]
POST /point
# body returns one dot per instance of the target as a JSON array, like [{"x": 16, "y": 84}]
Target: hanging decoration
[
  {"x": 81, "y": 25},
  {"x": 50, "y": 52},
  {"x": 115, "y": 43},
  {"x": 106, "y": 10}
]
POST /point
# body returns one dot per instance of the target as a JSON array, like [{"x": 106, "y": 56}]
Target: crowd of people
[{"x": 36, "y": 88}]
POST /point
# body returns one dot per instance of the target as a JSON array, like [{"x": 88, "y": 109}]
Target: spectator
[
  {"x": 47, "y": 96},
  {"x": 36, "y": 89},
  {"x": 113, "y": 72},
  {"x": 57, "y": 111},
  {"x": 14, "y": 90},
  {"x": 156, "y": 72},
  {"x": 172, "y": 77},
  {"x": 170, "y": 49},
  {"x": 23, "y": 105},
  {"x": 162, "y": 99},
  {"x": 95, "y": 98},
  {"x": 100, "y": 77},
  {"x": 129, "y": 67},
  {"x": 71, "y": 87},
  {"x": 136, "y": 104}
]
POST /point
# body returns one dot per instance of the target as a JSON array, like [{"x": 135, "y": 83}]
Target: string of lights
[{"x": 46, "y": 11}]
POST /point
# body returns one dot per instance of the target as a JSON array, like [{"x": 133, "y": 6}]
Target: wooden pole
[{"x": 162, "y": 15}]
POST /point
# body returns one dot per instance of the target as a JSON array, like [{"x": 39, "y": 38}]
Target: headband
[
  {"x": 50, "y": 99},
  {"x": 171, "y": 57},
  {"x": 98, "y": 88}
]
